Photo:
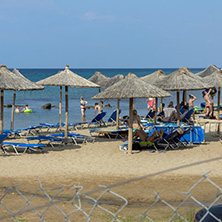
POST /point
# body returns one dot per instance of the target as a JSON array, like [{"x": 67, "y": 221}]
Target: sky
[{"x": 110, "y": 34}]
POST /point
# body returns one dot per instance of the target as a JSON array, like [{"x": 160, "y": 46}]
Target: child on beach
[{"x": 25, "y": 107}]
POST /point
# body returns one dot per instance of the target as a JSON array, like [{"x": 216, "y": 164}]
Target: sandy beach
[{"x": 136, "y": 177}]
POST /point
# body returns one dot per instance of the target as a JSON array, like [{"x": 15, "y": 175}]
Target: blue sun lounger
[
  {"x": 112, "y": 118},
  {"x": 110, "y": 133},
  {"x": 24, "y": 146},
  {"x": 98, "y": 120},
  {"x": 51, "y": 140},
  {"x": 49, "y": 126},
  {"x": 12, "y": 133},
  {"x": 2, "y": 138},
  {"x": 76, "y": 137}
]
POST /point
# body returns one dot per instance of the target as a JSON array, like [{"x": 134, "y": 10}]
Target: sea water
[{"x": 51, "y": 94}]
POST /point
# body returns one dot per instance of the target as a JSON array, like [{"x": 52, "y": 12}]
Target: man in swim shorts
[{"x": 208, "y": 103}]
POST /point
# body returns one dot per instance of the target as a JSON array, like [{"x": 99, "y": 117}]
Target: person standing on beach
[
  {"x": 208, "y": 104},
  {"x": 192, "y": 98},
  {"x": 83, "y": 106}
]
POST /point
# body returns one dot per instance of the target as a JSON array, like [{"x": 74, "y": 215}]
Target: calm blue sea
[{"x": 50, "y": 94}]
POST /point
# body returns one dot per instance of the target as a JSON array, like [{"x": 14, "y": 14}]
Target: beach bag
[{"x": 213, "y": 91}]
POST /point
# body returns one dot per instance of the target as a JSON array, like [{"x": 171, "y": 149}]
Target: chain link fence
[{"x": 49, "y": 205}]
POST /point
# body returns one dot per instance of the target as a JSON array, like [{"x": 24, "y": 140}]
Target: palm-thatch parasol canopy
[
  {"x": 153, "y": 77},
  {"x": 129, "y": 88},
  {"x": 26, "y": 84},
  {"x": 132, "y": 75},
  {"x": 99, "y": 78},
  {"x": 113, "y": 80},
  {"x": 10, "y": 81},
  {"x": 66, "y": 78},
  {"x": 216, "y": 79},
  {"x": 208, "y": 71},
  {"x": 181, "y": 79}
]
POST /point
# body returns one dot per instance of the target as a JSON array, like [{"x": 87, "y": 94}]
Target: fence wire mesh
[{"x": 50, "y": 205}]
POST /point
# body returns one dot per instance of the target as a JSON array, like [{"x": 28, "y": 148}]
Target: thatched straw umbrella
[
  {"x": 208, "y": 71},
  {"x": 132, "y": 75},
  {"x": 67, "y": 78},
  {"x": 152, "y": 78},
  {"x": 216, "y": 79},
  {"x": 99, "y": 79},
  {"x": 109, "y": 83},
  {"x": 181, "y": 80},
  {"x": 26, "y": 85},
  {"x": 130, "y": 88},
  {"x": 8, "y": 81}
]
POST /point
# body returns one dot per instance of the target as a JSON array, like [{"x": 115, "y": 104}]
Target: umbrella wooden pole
[
  {"x": 2, "y": 110},
  {"x": 13, "y": 111},
  {"x": 66, "y": 112},
  {"x": 60, "y": 107},
  {"x": 100, "y": 101},
  {"x": 178, "y": 108},
  {"x": 218, "y": 110},
  {"x": 155, "y": 117},
  {"x": 117, "y": 115},
  {"x": 130, "y": 132},
  {"x": 161, "y": 104},
  {"x": 185, "y": 97}
]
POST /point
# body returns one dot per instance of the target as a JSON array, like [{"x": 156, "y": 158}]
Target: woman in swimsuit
[
  {"x": 83, "y": 106},
  {"x": 136, "y": 121}
]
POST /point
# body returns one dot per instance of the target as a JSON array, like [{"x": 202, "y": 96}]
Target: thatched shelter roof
[
  {"x": 215, "y": 78},
  {"x": 208, "y": 71},
  {"x": 67, "y": 78},
  {"x": 113, "y": 80},
  {"x": 182, "y": 79},
  {"x": 26, "y": 83},
  {"x": 131, "y": 88},
  {"x": 155, "y": 76},
  {"x": 8, "y": 81},
  {"x": 132, "y": 75},
  {"x": 99, "y": 78}
]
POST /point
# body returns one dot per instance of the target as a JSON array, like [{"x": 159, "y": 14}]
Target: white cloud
[{"x": 90, "y": 16}]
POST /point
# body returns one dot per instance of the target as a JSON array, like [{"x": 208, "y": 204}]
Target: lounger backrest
[
  {"x": 150, "y": 114},
  {"x": 188, "y": 115},
  {"x": 169, "y": 136},
  {"x": 179, "y": 136},
  {"x": 147, "y": 116},
  {"x": 2, "y": 137},
  {"x": 113, "y": 116},
  {"x": 98, "y": 117}
]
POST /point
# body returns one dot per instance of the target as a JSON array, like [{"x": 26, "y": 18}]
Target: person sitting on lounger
[
  {"x": 173, "y": 115},
  {"x": 170, "y": 108},
  {"x": 136, "y": 121},
  {"x": 156, "y": 135}
]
